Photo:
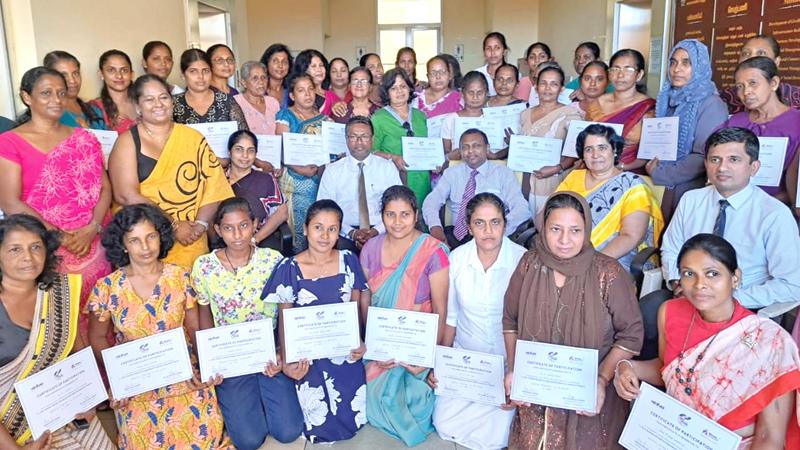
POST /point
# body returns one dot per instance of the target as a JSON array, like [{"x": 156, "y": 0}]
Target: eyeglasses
[
  {"x": 627, "y": 70},
  {"x": 359, "y": 137},
  {"x": 359, "y": 82},
  {"x": 409, "y": 131},
  {"x": 229, "y": 61},
  {"x": 437, "y": 73}
]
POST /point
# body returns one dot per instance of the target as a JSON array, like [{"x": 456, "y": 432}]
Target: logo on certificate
[
  {"x": 401, "y": 320},
  {"x": 320, "y": 314},
  {"x": 58, "y": 374},
  {"x": 466, "y": 359},
  {"x": 234, "y": 334},
  {"x": 684, "y": 419},
  {"x": 710, "y": 435},
  {"x": 144, "y": 348},
  {"x": 552, "y": 356}
]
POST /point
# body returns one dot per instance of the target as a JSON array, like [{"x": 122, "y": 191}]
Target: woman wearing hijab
[
  {"x": 689, "y": 94},
  {"x": 564, "y": 292}
]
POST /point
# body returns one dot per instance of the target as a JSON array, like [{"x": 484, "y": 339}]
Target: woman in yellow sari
[
  {"x": 626, "y": 216},
  {"x": 175, "y": 170},
  {"x": 38, "y": 328}
]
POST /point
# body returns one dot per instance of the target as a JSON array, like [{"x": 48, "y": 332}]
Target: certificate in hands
[
  {"x": 217, "y": 134},
  {"x": 771, "y": 155},
  {"x": 435, "y": 126},
  {"x": 405, "y": 336},
  {"x": 107, "y": 139},
  {"x": 555, "y": 375},
  {"x": 147, "y": 363},
  {"x": 53, "y": 397},
  {"x": 269, "y": 149},
  {"x": 575, "y": 128},
  {"x": 529, "y": 153},
  {"x": 325, "y": 331},
  {"x": 659, "y": 138},
  {"x": 234, "y": 350},
  {"x": 508, "y": 115},
  {"x": 303, "y": 150},
  {"x": 659, "y": 422},
  {"x": 423, "y": 153},
  {"x": 472, "y": 376},
  {"x": 334, "y": 142},
  {"x": 492, "y": 127}
]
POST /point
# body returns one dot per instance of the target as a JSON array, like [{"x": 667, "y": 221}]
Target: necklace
[
  {"x": 686, "y": 380},
  {"x": 161, "y": 140},
  {"x": 228, "y": 259}
]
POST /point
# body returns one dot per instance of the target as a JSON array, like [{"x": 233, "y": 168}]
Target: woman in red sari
[
  {"x": 717, "y": 357},
  {"x": 628, "y": 105}
]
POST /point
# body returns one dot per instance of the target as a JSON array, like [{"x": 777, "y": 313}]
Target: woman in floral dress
[{"x": 331, "y": 391}]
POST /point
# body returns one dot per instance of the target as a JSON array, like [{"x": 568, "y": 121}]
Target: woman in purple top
[
  {"x": 757, "y": 84},
  {"x": 438, "y": 98}
]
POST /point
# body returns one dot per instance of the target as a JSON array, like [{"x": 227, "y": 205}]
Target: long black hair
[
  {"x": 29, "y": 80},
  {"x": 108, "y": 103},
  {"x": 50, "y": 60}
]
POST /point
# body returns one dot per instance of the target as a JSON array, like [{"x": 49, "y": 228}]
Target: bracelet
[
  {"x": 616, "y": 368},
  {"x": 97, "y": 227},
  {"x": 202, "y": 222}
]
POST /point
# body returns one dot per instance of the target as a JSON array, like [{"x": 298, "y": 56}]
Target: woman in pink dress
[{"x": 116, "y": 72}]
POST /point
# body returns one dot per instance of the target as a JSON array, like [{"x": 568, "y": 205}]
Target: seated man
[
  {"x": 460, "y": 183},
  {"x": 356, "y": 182},
  {"x": 760, "y": 228}
]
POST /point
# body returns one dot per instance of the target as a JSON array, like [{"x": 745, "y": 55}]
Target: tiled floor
[{"x": 368, "y": 438}]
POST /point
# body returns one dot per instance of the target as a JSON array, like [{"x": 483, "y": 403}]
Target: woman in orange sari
[
  {"x": 737, "y": 368},
  {"x": 628, "y": 105}
]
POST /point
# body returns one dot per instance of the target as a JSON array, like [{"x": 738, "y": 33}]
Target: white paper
[
  {"x": 334, "y": 142},
  {"x": 53, "y": 397},
  {"x": 434, "y": 125},
  {"x": 107, "y": 139},
  {"x": 771, "y": 155},
  {"x": 508, "y": 115},
  {"x": 269, "y": 149},
  {"x": 659, "y": 422},
  {"x": 659, "y": 138},
  {"x": 555, "y": 375},
  {"x": 405, "y": 336},
  {"x": 325, "y": 331},
  {"x": 575, "y": 128},
  {"x": 147, "y": 363},
  {"x": 303, "y": 149},
  {"x": 234, "y": 350},
  {"x": 563, "y": 97},
  {"x": 423, "y": 153},
  {"x": 217, "y": 135},
  {"x": 492, "y": 127},
  {"x": 529, "y": 153},
  {"x": 472, "y": 376}
]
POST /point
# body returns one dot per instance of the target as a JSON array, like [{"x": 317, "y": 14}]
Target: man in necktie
[
  {"x": 356, "y": 183},
  {"x": 461, "y": 182}
]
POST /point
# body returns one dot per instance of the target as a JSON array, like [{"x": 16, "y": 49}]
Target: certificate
[
  {"x": 217, "y": 134},
  {"x": 423, "y": 153},
  {"x": 107, "y": 139},
  {"x": 435, "y": 126},
  {"x": 471, "y": 376},
  {"x": 492, "y": 127},
  {"x": 234, "y": 350},
  {"x": 659, "y": 422},
  {"x": 508, "y": 115},
  {"x": 52, "y": 397},
  {"x": 269, "y": 149},
  {"x": 771, "y": 154},
  {"x": 325, "y": 331},
  {"x": 529, "y": 153},
  {"x": 563, "y": 97},
  {"x": 575, "y": 128},
  {"x": 148, "y": 363},
  {"x": 659, "y": 138},
  {"x": 303, "y": 149},
  {"x": 406, "y": 336},
  {"x": 555, "y": 375},
  {"x": 334, "y": 141}
]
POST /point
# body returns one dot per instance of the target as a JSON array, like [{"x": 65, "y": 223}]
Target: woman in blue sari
[
  {"x": 399, "y": 400},
  {"x": 77, "y": 113},
  {"x": 300, "y": 183}
]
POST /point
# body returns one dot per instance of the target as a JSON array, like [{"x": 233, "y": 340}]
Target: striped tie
[{"x": 460, "y": 228}]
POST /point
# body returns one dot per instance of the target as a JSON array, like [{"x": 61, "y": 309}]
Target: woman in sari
[
  {"x": 625, "y": 214},
  {"x": 437, "y": 97},
  {"x": 300, "y": 183},
  {"x": 627, "y": 105},
  {"x": 564, "y": 292},
  {"x": 406, "y": 270},
  {"x": 175, "y": 170},
  {"x": 549, "y": 119},
  {"x": 77, "y": 113},
  {"x": 593, "y": 84},
  {"x": 38, "y": 327},
  {"x": 55, "y": 173},
  {"x": 116, "y": 72},
  {"x": 332, "y": 391},
  {"x": 715, "y": 356},
  {"x": 144, "y": 297}
]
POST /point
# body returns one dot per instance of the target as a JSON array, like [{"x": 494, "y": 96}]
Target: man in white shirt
[
  {"x": 356, "y": 183},
  {"x": 460, "y": 183}
]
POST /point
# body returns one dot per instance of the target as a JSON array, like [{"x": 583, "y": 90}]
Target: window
[
  {"x": 6, "y": 89},
  {"x": 409, "y": 23}
]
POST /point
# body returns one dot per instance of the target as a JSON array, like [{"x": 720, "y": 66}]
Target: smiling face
[
  {"x": 236, "y": 228},
  {"x": 706, "y": 282},
  {"x": 339, "y": 74},
  {"x": 399, "y": 92},
  {"x": 142, "y": 243},
  {"x": 256, "y": 81},
  {"x": 505, "y": 81},
  {"x": 754, "y": 89},
  {"x": 72, "y": 74},
  {"x": 548, "y": 86},
  {"x": 303, "y": 93},
  {"x": 680, "y": 68},
  {"x": 278, "y": 66},
  {"x": 359, "y": 141},
  {"x": 594, "y": 82},
  {"x": 399, "y": 218},
  {"x": 583, "y": 56},
  {"x": 317, "y": 70},
  {"x": 197, "y": 76},
  {"x": 322, "y": 231},
  {"x": 117, "y": 73},
  {"x": 494, "y": 52},
  {"x": 22, "y": 256},
  {"x": 474, "y": 150},
  {"x": 729, "y": 167},
  {"x": 155, "y": 104},
  {"x": 223, "y": 63},
  {"x": 243, "y": 153},
  {"x": 47, "y": 97},
  {"x": 564, "y": 232},
  {"x": 486, "y": 225},
  {"x": 159, "y": 62},
  {"x": 598, "y": 154},
  {"x": 359, "y": 85},
  {"x": 374, "y": 65}
]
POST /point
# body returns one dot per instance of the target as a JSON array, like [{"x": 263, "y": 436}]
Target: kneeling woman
[
  {"x": 737, "y": 368},
  {"x": 332, "y": 391},
  {"x": 479, "y": 274},
  {"x": 146, "y": 296},
  {"x": 228, "y": 283}
]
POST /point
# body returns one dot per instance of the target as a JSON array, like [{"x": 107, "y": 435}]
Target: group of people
[{"x": 166, "y": 235}]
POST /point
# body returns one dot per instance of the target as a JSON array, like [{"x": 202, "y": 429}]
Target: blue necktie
[{"x": 719, "y": 225}]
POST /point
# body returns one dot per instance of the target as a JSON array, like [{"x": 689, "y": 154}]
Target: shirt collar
[
  {"x": 738, "y": 199},
  {"x": 355, "y": 161},
  {"x": 482, "y": 169},
  {"x": 504, "y": 259}
]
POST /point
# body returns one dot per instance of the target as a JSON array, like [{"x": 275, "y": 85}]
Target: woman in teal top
[
  {"x": 398, "y": 119},
  {"x": 77, "y": 113}
]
